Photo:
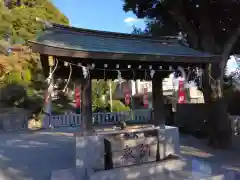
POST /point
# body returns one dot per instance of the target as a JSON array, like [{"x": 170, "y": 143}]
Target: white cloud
[{"x": 131, "y": 20}]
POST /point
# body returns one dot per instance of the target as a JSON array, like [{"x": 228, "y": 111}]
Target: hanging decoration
[
  {"x": 85, "y": 72},
  {"x": 152, "y": 72},
  {"x": 145, "y": 97},
  {"x": 47, "y": 95},
  {"x": 69, "y": 77},
  {"x": 148, "y": 72},
  {"x": 181, "y": 92},
  {"x": 127, "y": 95},
  {"x": 49, "y": 92},
  {"x": 98, "y": 88},
  {"x": 77, "y": 100},
  {"x": 119, "y": 77},
  {"x": 47, "y": 106},
  {"x": 50, "y": 89},
  {"x": 151, "y": 69}
]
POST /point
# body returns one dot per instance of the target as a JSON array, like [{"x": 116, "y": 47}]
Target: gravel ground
[{"x": 32, "y": 156}]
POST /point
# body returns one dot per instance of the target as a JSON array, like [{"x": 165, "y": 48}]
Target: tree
[
  {"x": 99, "y": 89},
  {"x": 210, "y": 26},
  {"x": 5, "y": 18},
  {"x": 155, "y": 27},
  {"x": 139, "y": 31},
  {"x": 18, "y": 74},
  {"x": 18, "y": 17}
]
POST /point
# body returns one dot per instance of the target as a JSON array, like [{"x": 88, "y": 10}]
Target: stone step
[
  {"x": 70, "y": 174},
  {"x": 169, "y": 170}
]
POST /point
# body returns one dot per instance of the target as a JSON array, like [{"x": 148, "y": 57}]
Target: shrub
[
  {"x": 13, "y": 94},
  {"x": 16, "y": 77},
  {"x": 118, "y": 106}
]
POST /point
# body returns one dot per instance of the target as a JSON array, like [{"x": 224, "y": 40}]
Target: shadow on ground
[
  {"x": 197, "y": 149},
  {"x": 33, "y": 156}
]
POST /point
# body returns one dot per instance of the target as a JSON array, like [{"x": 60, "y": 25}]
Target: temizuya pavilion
[
  {"x": 88, "y": 54},
  {"x": 107, "y": 55}
]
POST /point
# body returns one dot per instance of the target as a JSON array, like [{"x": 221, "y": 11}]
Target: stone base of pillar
[
  {"x": 168, "y": 141},
  {"x": 84, "y": 133},
  {"x": 89, "y": 154}
]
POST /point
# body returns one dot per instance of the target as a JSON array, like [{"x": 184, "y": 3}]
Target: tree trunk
[
  {"x": 219, "y": 126},
  {"x": 220, "y": 131}
]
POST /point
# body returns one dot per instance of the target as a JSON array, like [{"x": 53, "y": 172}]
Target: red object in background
[
  {"x": 145, "y": 97},
  {"x": 127, "y": 95},
  {"x": 127, "y": 98},
  {"x": 181, "y": 92},
  {"x": 77, "y": 98},
  {"x": 46, "y": 96}
]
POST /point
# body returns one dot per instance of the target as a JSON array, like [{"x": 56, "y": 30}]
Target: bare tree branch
[
  {"x": 177, "y": 12},
  {"x": 228, "y": 47},
  {"x": 230, "y": 43}
]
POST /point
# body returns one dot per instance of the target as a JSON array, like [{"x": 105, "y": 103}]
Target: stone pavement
[
  {"x": 197, "y": 149},
  {"x": 33, "y": 156},
  {"x": 176, "y": 169}
]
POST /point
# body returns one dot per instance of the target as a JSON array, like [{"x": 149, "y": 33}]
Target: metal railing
[
  {"x": 111, "y": 118},
  {"x": 101, "y": 118}
]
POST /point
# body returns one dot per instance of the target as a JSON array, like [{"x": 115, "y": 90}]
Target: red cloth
[
  {"x": 145, "y": 97},
  {"x": 181, "y": 92},
  {"x": 77, "y": 98},
  {"x": 127, "y": 95}
]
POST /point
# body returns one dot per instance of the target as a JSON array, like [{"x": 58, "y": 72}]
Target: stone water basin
[{"x": 162, "y": 142}]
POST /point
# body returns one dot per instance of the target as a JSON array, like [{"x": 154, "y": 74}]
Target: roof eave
[
  {"x": 63, "y": 52},
  {"x": 112, "y": 34}
]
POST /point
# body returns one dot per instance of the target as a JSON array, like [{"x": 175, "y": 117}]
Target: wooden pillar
[
  {"x": 158, "y": 102},
  {"x": 86, "y": 105}
]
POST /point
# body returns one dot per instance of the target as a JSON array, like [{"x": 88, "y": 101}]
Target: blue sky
[{"x": 104, "y": 15}]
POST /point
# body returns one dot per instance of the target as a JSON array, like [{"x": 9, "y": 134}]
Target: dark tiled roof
[{"x": 98, "y": 41}]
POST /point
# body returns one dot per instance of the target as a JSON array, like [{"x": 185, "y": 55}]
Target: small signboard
[{"x": 132, "y": 151}]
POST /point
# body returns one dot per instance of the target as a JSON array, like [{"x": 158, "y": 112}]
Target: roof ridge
[{"x": 167, "y": 39}]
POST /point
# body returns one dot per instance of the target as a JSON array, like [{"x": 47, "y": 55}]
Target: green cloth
[{"x": 78, "y": 111}]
